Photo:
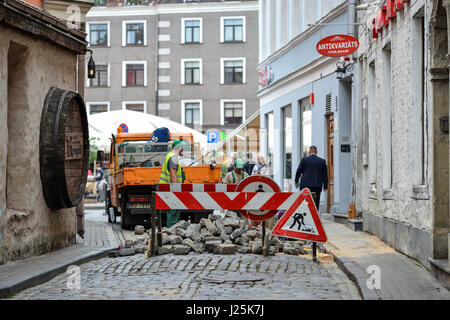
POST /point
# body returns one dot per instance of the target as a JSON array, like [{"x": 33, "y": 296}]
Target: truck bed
[{"x": 136, "y": 176}]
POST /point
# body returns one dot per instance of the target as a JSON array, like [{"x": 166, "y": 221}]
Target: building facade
[
  {"x": 37, "y": 52},
  {"x": 192, "y": 62},
  {"x": 402, "y": 176},
  {"x": 303, "y": 103}
]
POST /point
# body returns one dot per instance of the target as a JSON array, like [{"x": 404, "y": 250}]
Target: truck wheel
[{"x": 124, "y": 215}]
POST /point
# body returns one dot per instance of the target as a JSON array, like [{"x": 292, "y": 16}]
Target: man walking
[
  {"x": 249, "y": 164},
  {"x": 171, "y": 173},
  {"x": 313, "y": 172}
]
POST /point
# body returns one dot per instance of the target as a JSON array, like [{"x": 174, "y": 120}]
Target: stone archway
[{"x": 439, "y": 76}]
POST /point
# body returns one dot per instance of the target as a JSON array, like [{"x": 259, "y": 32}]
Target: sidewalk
[
  {"x": 402, "y": 278},
  {"x": 17, "y": 276}
]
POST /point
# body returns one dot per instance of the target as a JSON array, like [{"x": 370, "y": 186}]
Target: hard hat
[
  {"x": 179, "y": 143},
  {"x": 239, "y": 163}
]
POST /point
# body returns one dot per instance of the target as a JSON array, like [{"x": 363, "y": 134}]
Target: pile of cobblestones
[{"x": 217, "y": 234}]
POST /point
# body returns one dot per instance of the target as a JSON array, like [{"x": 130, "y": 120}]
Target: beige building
[
  {"x": 37, "y": 52},
  {"x": 401, "y": 128}
]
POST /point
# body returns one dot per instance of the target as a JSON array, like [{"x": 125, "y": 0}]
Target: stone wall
[
  {"x": 27, "y": 226},
  {"x": 403, "y": 215}
]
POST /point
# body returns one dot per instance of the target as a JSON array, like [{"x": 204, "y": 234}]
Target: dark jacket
[
  {"x": 248, "y": 167},
  {"x": 313, "y": 172}
]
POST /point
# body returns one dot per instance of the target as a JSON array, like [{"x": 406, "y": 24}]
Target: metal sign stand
[
  {"x": 314, "y": 248},
  {"x": 314, "y": 244},
  {"x": 264, "y": 250}
]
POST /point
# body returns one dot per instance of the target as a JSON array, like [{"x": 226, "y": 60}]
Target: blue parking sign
[{"x": 212, "y": 136}]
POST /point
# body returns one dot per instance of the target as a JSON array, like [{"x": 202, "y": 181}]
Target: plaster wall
[
  {"x": 27, "y": 226},
  {"x": 404, "y": 215}
]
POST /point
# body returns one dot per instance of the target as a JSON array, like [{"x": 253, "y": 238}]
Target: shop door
[{"x": 330, "y": 161}]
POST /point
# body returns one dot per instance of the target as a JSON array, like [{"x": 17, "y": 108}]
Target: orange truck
[{"x": 134, "y": 170}]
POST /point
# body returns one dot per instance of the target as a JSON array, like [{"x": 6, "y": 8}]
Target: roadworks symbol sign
[{"x": 301, "y": 220}]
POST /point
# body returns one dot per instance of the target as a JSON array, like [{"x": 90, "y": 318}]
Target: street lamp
[
  {"x": 91, "y": 66},
  {"x": 343, "y": 66}
]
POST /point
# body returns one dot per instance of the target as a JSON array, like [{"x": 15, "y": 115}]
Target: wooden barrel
[{"x": 63, "y": 148}]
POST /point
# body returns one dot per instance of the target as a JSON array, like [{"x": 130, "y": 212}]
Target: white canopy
[{"x": 102, "y": 125}]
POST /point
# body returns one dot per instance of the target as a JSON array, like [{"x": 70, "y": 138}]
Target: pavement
[
  {"x": 201, "y": 277},
  {"x": 224, "y": 277},
  {"x": 401, "y": 278},
  {"x": 99, "y": 239}
]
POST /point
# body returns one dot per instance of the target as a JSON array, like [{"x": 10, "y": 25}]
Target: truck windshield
[{"x": 141, "y": 153}]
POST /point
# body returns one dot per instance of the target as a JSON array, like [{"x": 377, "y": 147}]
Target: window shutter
[{"x": 328, "y": 103}]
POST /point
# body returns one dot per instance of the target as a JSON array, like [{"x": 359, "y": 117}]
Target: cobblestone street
[{"x": 205, "y": 276}]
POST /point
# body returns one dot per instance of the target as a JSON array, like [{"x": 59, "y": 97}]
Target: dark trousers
[{"x": 317, "y": 197}]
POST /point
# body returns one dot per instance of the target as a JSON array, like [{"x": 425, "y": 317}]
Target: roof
[
  {"x": 102, "y": 125},
  {"x": 36, "y": 21}
]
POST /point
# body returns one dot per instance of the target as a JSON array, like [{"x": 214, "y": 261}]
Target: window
[
  {"x": 191, "y": 30},
  {"x": 98, "y": 34},
  {"x": 134, "y": 73},
  {"x": 191, "y": 112},
  {"x": 232, "y": 112},
  {"x": 191, "y": 71},
  {"x": 233, "y": 29},
  {"x": 101, "y": 76},
  {"x": 140, "y": 106},
  {"x": 386, "y": 120},
  {"x": 306, "y": 117},
  {"x": 418, "y": 83},
  {"x": 270, "y": 138},
  {"x": 233, "y": 70},
  {"x": 287, "y": 141},
  {"x": 97, "y": 107},
  {"x": 134, "y": 33},
  {"x": 372, "y": 115},
  {"x": 100, "y": 3}
]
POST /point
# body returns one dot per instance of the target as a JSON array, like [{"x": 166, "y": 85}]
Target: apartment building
[{"x": 193, "y": 62}]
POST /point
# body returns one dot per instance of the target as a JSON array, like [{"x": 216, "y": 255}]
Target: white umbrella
[{"x": 102, "y": 125}]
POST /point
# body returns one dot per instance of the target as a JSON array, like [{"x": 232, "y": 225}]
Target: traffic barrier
[
  {"x": 225, "y": 200},
  {"x": 253, "y": 199},
  {"x": 196, "y": 187}
]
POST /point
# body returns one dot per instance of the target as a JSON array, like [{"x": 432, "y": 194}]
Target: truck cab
[{"x": 135, "y": 167}]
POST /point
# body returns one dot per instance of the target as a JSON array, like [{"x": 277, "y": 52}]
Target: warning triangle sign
[{"x": 301, "y": 220}]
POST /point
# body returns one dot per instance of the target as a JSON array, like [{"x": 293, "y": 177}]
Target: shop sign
[
  {"x": 388, "y": 12},
  {"x": 337, "y": 45},
  {"x": 265, "y": 76}
]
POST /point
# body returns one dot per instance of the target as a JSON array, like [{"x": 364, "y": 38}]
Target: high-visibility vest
[
  {"x": 234, "y": 177},
  {"x": 165, "y": 173}
]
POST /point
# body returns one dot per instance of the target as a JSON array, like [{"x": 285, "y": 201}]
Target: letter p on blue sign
[{"x": 212, "y": 136}]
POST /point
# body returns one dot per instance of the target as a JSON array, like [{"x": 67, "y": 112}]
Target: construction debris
[{"x": 217, "y": 234}]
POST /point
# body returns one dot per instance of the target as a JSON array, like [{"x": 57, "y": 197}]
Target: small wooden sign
[{"x": 73, "y": 146}]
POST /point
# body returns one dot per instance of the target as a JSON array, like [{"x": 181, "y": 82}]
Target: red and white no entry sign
[{"x": 258, "y": 184}]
